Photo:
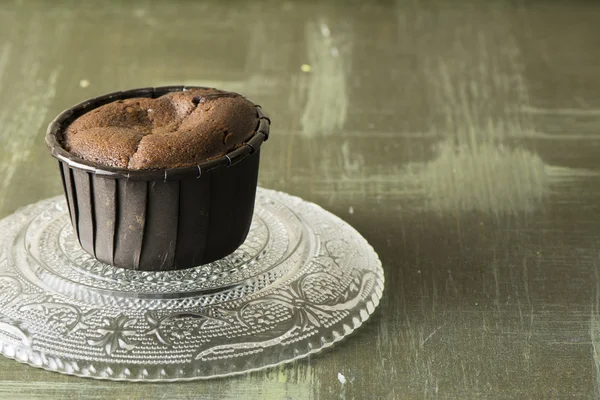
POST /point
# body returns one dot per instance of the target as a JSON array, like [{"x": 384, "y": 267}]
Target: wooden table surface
[{"x": 460, "y": 138}]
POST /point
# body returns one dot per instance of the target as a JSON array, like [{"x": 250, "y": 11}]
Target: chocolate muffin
[
  {"x": 160, "y": 178},
  {"x": 175, "y": 130}
]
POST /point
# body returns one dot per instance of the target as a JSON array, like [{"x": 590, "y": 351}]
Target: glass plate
[{"x": 303, "y": 280}]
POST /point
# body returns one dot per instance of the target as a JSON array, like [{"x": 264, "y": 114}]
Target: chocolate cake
[
  {"x": 160, "y": 179},
  {"x": 175, "y": 130}
]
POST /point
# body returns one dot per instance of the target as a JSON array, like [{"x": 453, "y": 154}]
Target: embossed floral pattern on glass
[{"x": 303, "y": 280}]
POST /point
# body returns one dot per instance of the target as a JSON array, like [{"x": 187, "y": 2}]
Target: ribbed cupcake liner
[{"x": 157, "y": 220}]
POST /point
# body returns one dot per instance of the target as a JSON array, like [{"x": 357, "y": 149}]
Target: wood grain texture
[{"x": 460, "y": 138}]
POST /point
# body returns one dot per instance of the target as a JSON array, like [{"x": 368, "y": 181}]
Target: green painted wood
[{"x": 460, "y": 138}]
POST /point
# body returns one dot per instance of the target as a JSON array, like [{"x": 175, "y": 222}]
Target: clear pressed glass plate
[{"x": 303, "y": 280}]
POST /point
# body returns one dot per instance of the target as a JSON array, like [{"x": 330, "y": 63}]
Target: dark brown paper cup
[{"x": 158, "y": 220}]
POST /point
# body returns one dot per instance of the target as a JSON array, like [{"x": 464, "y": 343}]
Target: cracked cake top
[{"x": 179, "y": 129}]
